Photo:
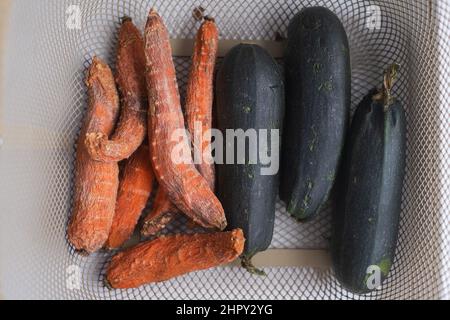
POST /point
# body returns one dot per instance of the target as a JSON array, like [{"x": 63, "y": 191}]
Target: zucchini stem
[
  {"x": 385, "y": 95},
  {"x": 246, "y": 263}
]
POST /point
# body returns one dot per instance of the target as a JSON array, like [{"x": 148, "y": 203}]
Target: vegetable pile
[{"x": 133, "y": 115}]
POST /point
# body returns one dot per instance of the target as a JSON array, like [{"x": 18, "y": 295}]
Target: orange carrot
[
  {"x": 168, "y": 257},
  {"x": 96, "y": 182},
  {"x": 199, "y": 96},
  {"x": 132, "y": 126},
  {"x": 198, "y": 110},
  {"x": 163, "y": 212},
  {"x": 135, "y": 188},
  {"x": 184, "y": 185}
]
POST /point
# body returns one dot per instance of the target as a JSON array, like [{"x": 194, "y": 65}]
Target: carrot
[
  {"x": 199, "y": 96},
  {"x": 172, "y": 256},
  {"x": 184, "y": 185},
  {"x": 135, "y": 188},
  {"x": 96, "y": 182},
  {"x": 132, "y": 126},
  {"x": 198, "y": 110},
  {"x": 163, "y": 213}
]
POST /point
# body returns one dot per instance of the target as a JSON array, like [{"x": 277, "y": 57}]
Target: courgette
[
  {"x": 250, "y": 95},
  {"x": 365, "y": 226},
  {"x": 318, "y": 80}
]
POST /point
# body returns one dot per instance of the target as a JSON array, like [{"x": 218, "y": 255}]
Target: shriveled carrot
[
  {"x": 184, "y": 185},
  {"x": 163, "y": 212},
  {"x": 135, "y": 187},
  {"x": 198, "y": 110},
  {"x": 199, "y": 96},
  {"x": 132, "y": 127},
  {"x": 96, "y": 182},
  {"x": 169, "y": 257}
]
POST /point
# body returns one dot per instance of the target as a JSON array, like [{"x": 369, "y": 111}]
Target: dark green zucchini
[
  {"x": 249, "y": 95},
  {"x": 365, "y": 225},
  {"x": 317, "y": 67}
]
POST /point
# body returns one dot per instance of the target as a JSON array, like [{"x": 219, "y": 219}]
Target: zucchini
[
  {"x": 249, "y": 95},
  {"x": 365, "y": 226},
  {"x": 318, "y": 81}
]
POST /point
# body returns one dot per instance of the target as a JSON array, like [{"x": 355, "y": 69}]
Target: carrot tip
[
  {"x": 153, "y": 12},
  {"x": 150, "y": 229},
  {"x": 95, "y": 59},
  {"x": 97, "y": 63},
  {"x": 126, "y": 19},
  {"x": 82, "y": 252},
  {"x": 209, "y": 18},
  {"x": 223, "y": 225}
]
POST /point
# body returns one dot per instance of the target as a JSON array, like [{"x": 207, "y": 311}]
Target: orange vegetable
[
  {"x": 96, "y": 182},
  {"x": 184, "y": 185},
  {"x": 163, "y": 213},
  {"x": 199, "y": 96},
  {"x": 168, "y": 257},
  {"x": 132, "y": 127},
  {"x": 135, "y": 188},
  {"x": 198, "y": 110}
]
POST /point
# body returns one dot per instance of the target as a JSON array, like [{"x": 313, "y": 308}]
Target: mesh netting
[{"x": 45, "y": 100}]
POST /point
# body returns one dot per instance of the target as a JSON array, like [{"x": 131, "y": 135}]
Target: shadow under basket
[{"x": 44, "y": 100}]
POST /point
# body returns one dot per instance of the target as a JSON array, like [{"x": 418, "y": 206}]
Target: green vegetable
[
  {"x": 365, "y": 226},
  {"x": 317, "y": 109},
  {"x": 249, "y": 77}
]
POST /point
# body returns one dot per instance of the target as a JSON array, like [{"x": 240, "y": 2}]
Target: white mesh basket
[{"x": 43, "y": 101}]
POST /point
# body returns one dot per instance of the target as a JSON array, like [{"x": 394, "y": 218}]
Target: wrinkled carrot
[
  {"x": 199, "y": 96},
  {"x": 96, "y": 182},
  {"x": 198, "y": 110},
  {"x": 135, "y": 187},
  {"x": 163, "y": 213},
  {"x": 172, "y": 256},
  {"x": 132, "y": 126},
  {"x": 184, "y": 185}
]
